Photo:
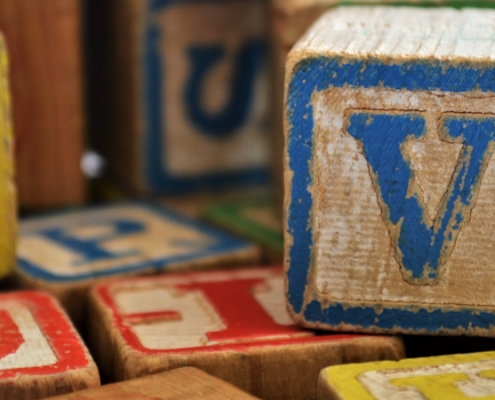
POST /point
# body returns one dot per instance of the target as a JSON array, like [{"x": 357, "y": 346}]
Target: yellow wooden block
[
  {"x": 8, "y": 218},
  {"x": 460, "y": 376}
]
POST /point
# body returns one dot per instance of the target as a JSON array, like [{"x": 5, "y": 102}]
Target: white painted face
[{"x": 25, "y": 345}]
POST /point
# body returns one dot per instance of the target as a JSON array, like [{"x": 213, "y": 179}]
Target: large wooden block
[
  {"x": 184, "y": 92},
  {"x": 456, "y": 377},
  {"x": 390, "y": 177},
  {"x": 232, "y": 325},
  {"x": 8, "y": 203},
  {"x": 41, "y": 354},
  {"x": 255, "y": 218},
  {"x": 289, "y": 21},
  {"x": 45, "y": 44},
  {"x": 67, "y": 253},
  {"x": 181, "y": 383}
]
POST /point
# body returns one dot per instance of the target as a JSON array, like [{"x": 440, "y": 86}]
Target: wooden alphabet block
[
  {"x": 231, "y": 324},
  {"x": 185, "y": 90},
  {"x": 41, "y": 354},
  {"x": 45, "y": 45},
  {"x": 456, "y": 377},
  {"x": 256, "y": 219},
  {"x": 181, "y": 383},
  {"x": 390, "y": 172},
  {"x": 67, "y": 253},
  {"x": 8, "y": 204}
]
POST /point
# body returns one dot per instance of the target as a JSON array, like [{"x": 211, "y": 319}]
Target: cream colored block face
[
  {"x": 468, "y": 376},
  {"x": 202, "y": 45},
  {"x": 390, "y": 176}
]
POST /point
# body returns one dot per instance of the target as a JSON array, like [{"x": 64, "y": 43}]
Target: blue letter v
[{"x": 422, "y": 247}]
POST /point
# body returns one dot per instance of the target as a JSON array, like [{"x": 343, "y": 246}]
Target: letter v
[{"x": 422, "y": 247}]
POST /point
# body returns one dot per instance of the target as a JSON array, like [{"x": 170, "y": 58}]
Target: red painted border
[
  {"x": 57, "y": 330},
  {"x": 103, "y": 291}
]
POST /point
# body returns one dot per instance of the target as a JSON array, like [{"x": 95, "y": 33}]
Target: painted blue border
[
  {"x": 159, "y": 180},
  {"x": 320, "y": 73},
  {"x": 225, "y": 244}
]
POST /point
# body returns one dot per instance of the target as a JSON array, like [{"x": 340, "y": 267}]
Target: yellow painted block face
[
  {"x": 8, "y": 219},
  {"x": 464, "y": 376}
]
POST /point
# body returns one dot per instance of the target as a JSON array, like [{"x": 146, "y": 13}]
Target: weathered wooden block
[
  {"x": 181, "y": 383},
  {"x": 289, "y": 21},
  {"x": 41, "y": 354},
  {"x": 8, "y": 204},
  {"x": 45, "y": 45},
  {"x": 257, "y": 219},
  {"x": 231, "y": 324},
  {"x": 390, "y": 177},
  {"x": 186, "y": 97},
  {"x": 67, "y": 253},
  {"x": 460, "y": 376}
]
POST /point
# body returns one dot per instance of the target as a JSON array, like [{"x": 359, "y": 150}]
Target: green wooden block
[{"x": 255, "y": 219}]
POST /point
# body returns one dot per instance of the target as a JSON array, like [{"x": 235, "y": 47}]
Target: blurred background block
[
  {"x": 179, "y": 92},
  {"x": 44, "y": 42}
]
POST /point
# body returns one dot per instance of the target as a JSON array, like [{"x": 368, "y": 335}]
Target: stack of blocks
[{"x": 389, "y": 214}]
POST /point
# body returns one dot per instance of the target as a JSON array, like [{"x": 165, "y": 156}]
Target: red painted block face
[
  {"x": 230, "y": 323},
  {"x": 39, "y": 344}
]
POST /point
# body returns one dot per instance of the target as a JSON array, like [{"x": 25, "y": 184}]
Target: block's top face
[
  {"x": 203, "y": 312},
  {"x": 36, "y": 338},
  {"x": 293, "y": 6},
  {"x": 392, "y": 174},
  {"x": 126, "y": 238},
  {"x": 460, "y": 376},
  {"x": 254, "y": 218},
  {"x": 402, "y": 33}
]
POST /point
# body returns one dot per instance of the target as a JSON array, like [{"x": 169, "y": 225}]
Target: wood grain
[
  {"x": 231, "y": 324},
  {"x": 399, "y": 223},
  {"x": 67, "y": 253},
  {"x": 8, "y": 195},
  {"x": 45, "y": 44},
  {"x": 180, "y": 383},
  {"x": 460, "y": 376},
  {"x": 41, "y": 354}
]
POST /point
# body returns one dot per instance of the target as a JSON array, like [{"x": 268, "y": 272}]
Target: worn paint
[
  {"x": 315, "y": 74},
  {"x": 42, "y": 343},
  {"x": 462, "y": 376}
]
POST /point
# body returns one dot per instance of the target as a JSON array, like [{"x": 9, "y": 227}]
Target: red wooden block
[
  {"x": 231, "y": 324},
  {"x": 40, "y": 352}
]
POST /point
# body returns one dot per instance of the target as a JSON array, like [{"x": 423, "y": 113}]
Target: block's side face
[
  {"x": 205, "y": 90},
  {"x": 455, "y": 377},
  {"x": 40, "y": 351},
  {"x": 8, "y": 204},
  {"x": 256, "y": 219},
  {"x": 120, "y": 239},
  {"x": 49, "y": 143},
  {"x": 392, "y": 176}
]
